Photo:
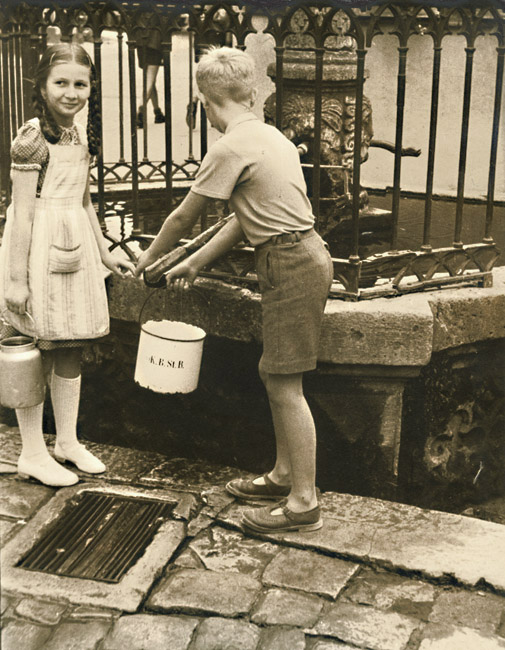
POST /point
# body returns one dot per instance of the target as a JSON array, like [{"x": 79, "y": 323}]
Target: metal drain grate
[{"x": 99, "y": 537}]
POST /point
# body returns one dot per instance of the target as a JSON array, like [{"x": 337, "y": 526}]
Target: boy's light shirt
[{"x": 257, "y": 169}]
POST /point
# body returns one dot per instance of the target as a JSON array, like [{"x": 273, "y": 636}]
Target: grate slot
[
  {"x": 119, "y": 524},
  {"x": 44, "y": 551},
  {"x": 98, "y": 538},
  {"x": 70, "y": 541},
  {"x": 138, "y": 542},
  {"x": 85, "y": 548}
]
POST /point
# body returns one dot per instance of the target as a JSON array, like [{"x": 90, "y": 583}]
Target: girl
[{"x": 51, "y": 255}]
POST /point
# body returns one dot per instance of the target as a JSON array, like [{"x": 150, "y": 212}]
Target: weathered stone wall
[{"x": 453, "y": 442}]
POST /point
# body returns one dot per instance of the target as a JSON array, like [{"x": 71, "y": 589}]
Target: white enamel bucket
[{"x": 169, "y": 356}]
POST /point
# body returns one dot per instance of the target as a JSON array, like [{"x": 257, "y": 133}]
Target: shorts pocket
[{"x": 65, "y": 260}]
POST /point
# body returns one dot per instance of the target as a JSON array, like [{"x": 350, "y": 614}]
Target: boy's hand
[
  {"x": 145, "y": 260},
  {"x": 182, "y": 276}
]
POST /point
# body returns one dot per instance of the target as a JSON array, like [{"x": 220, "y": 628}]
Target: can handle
[
  {"x": 27, "y": 313},
  {"x": 197, "y": 291}
]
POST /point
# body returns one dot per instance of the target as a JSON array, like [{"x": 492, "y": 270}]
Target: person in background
[
  {"x": 52, "y": 254},
  {"x": 149, "y": 58},
  {"x": 257, "y": 169}
]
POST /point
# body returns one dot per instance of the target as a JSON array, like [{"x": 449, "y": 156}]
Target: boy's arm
[
  {"x": 179, "y": 223},
  {"x": 183, "y": 275},
  {"x": 24, "y": 188}
]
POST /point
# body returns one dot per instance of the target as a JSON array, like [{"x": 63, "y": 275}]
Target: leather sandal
[
  {"x": 244, "y": 488},
  {"x": 262, "y": 520}
]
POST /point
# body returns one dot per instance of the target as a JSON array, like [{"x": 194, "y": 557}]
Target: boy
[{"x": 257, "y": 169}]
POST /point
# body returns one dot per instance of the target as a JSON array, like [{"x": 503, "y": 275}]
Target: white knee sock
[
  {"x": 65, "y": 395},
  {"x": 30, "y": 427}
]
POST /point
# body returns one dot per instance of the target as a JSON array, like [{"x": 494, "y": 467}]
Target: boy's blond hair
[{"x": 226, "y": 73}]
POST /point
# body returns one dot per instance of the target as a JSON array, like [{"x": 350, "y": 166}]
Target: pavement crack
[{"x": 374, "y": 534}]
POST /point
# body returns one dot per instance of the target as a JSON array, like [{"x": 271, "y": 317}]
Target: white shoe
[
  {"x": 45, "y": 469},
  {"x": 79, "y": 456}
]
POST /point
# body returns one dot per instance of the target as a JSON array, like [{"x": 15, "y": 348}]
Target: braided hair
[{"x": 54, "y": 55}]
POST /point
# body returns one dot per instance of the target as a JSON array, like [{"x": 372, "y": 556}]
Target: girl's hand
[
  {"x": 182, "y": 276},
  {"x": 119, "y": 267},
  {"x": 16, "y": 297}
]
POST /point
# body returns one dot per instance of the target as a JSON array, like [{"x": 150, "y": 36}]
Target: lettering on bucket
[{"x": 166, "y": 363}]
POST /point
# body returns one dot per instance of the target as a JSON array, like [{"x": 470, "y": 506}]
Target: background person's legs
[{"x": 151, "y": 94}]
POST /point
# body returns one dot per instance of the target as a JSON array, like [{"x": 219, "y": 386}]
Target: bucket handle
[
  {"x": 197, "y": 291},
  {"x": 27, "y": 313}
]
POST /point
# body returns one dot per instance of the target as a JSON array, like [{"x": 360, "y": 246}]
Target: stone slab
[
  {"x": 77, "y": 636},
  {"x": 385, "y": 590},
  {"x": 7, "y": 530},
  {"x": 20, "y": 499},
  {"x": 224, "y": 634},
  {"x": 279, "y": 638},
  {"x": 192, "y": 475},
  {"x": 17, "y": 635},
  {"x": 205, "y": 592},
  {"x": 147, "y": 632},
  {"x": 125, "y": 595},
  {"x": 219, "y": 549},
  {"x": 286, "y": 607},
  {"x": 83, "y": 613},
  {"x": 5, "y": 603},
  {"x": 326, "y": 644},
  {"x": 40, "y": 611},
  {"x": 469, "y": 314},
  {"x": 366, "y": 627},
  {"x": 10, "y": 444},
  {"x": 444, "y": 637},
  {"x": 433, "y": 544},
  {"x": 382, "y": 331},
  {"x": 122, "y": 464},
  {"x": 475, "y": 610},
  {"x": 308, "y": 571}
]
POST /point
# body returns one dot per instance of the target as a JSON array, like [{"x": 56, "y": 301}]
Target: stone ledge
[
  {"x": 470, "y": 314},
  {"x": 398, "y": 332}
]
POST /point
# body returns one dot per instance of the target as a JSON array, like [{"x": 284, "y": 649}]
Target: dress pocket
[{"x": 65, "y": 260}]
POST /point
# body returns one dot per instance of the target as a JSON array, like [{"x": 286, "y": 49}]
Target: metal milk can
[{"x": 21, "y": 373}]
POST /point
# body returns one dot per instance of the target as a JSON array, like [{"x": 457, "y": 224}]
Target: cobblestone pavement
[{"x": 380, "y": 576}]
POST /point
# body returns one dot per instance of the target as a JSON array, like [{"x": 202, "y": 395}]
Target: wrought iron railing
[{"x": 319, "y": 71}]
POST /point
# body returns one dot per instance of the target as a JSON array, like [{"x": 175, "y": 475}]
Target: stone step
[{"x": 433, "y": 545}]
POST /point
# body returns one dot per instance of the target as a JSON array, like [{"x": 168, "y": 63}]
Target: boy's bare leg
[
  {"x": 294, "y": 430},
  {"x": 281, "y": 473}
]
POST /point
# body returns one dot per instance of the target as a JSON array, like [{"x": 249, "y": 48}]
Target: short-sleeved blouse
[{"x": 29, "y": 150}]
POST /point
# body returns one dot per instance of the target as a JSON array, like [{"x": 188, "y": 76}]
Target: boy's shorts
[{"x": 295, "y": 279}]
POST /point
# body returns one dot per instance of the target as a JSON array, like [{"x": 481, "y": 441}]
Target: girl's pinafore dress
[{"x": 67, "y": 297}]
